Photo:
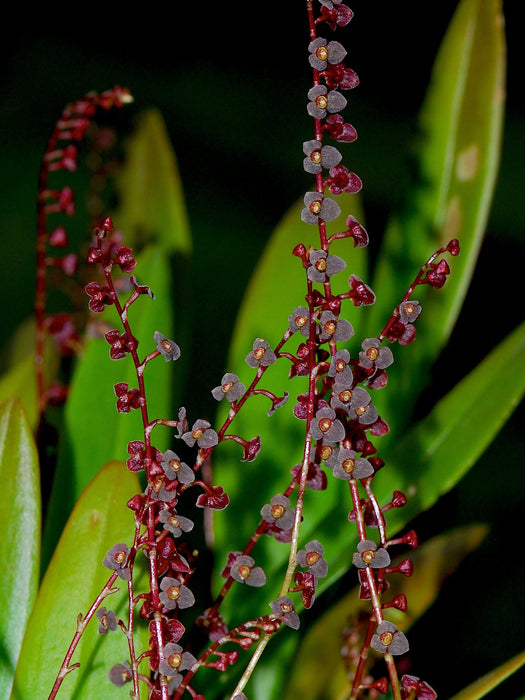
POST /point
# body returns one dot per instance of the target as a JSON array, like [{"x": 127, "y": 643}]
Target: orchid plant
[{"x": 259, "y": 543}]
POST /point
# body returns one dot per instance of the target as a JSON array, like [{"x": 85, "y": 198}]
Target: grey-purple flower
[
  {"x": 278, "y": 512},
  {"x": 325, "y": 426},
  {"x": 175, "y": 469},
  {"x": 388, "y": 639},
  {"x": 317, "y": 206},
  {"x": 339, "y": 367},
  {"x": 312, "y": 557},
  {"x": 409, "y": 311},
  {"x": 374, "y": 356},
  {"x": 346, "y": 464},
  {"x": 245, "y": 571},
  {"x": 107, "y": 619},
  {"x": 333, "y": 327},
  {"x": 319, "y": 156},
  {"x": 117, "y": 559},
  {"x": 283, "y": 608},
  {"x": 230, "y": 388},
  {"x": 322, "y": 265},
  {"x": 174, "y": 523},
  {"x": 369, "y": 554},
  {"x": 166, "y": 347},
  {"x": 299, "y": 320},
  {"x": 174, "y": 594},
  {"x": 201, "y": 433},
  {"x": 322, "y": 101},
  {"x": 174, "y": 660},
  {"x": 322, "y": 53},
  {"x": 261, "y": 354}
]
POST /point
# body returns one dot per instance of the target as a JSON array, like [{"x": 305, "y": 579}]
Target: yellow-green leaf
[
  {"x": 73, "y": 580},
  {"x": 20, "y": 528}
]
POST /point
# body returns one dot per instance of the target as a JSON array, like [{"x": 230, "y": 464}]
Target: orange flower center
[
  {"x": 325, "y": 424},
  {"x": 277, "y": 510},
  {"x": 348, "y": 465},
  {"x": 174, "y": 660},
  {"x": 372, "y": 354}
]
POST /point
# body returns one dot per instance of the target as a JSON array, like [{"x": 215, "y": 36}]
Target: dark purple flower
[
  {"x": 174, "y": 594},
  {"x": 322, "y": 53},
  {"x": 346, "y": 465},
  {"x": 174, "y": 659},
  {"x": 317, "y": 206},
  {"x": 201, "y": 433},
  {"x": 120, "y": 344},
  {"x": 340, "y": 130},
  {"x": 261, "y": 354},
  {"x": 325, "y": 426},
  {"x": 230, "y": 388},
  {"x": 389, "y": 640},
  {"x": 175, "y": 469},
  {"x": 216, "y": 498},
  {"x": 124, "y": 259},
  {"x": 100, "y": 296},
  {"x": 168, "y": 348},
  {"x": 319, "y": 156},
  {"x": 323, "y": 101},
  {"x": 361, "y": 292},
  {"x": 117, "y": 559},
  {"x": 368, "y": 554},
  {"x": 245, "y": 571},
  {"x": 323, "y": 266},
  {"x": 415, "y": 689},
  {"x": 127, "y": 398},
  {"x": 278, "y": 512},
  {"x": 283, "y": 608},
  {"x": 342, "y": 180},
  {"x": 312, "y": 558}
]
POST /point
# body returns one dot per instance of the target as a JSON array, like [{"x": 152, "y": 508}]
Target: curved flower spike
[
  {"x": 319, "y": 156},
  {"x": 389, "y": 640},
  {"x": 317, "y": 206},
  {"x": 322, "y": 53},
  {"x": 322, "y": 101},
  {"x": 368, "y": 554}
]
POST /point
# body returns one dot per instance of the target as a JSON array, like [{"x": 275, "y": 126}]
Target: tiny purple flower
[
  {"x": 368, "y": 554},
  {"x": 333, "y": 327},
  {"x": 168, "y": 348},
  {"x": 120, "y": 674},
  {"x": 409, "y": 311},
  {"x": 322, "y": 53},
  {"x": 278, "y": 512},
  {"x": 389, "y": 640},
  {"x": 374, "y": 356},
  {"x": 107, "y": 619},
  {"x": 347, "y": 466},
  {"x": 322, "y": 101},
  {"x": 325, "y": 426},
  {"x": 116, "y": 559},
  {"x": 261, "y": 354},
  {"x": 319, "y": 156},
  {"x": 322, "y": 266},
  {"x": 245, "y": 571},
  {"x": 317, "y": 206},
  {"x": 283, "y": 608},
  {"x": 174, "y": 523},
  {"x": 230, "y": 388},
  {"x": 174, "y": 659},
  {"x": 174, "y": 594},
  {"x": 175, "y": 469},
  {"x": 312, "y": 557},
  {"x": 339, "y": 367},
  {"x": 201, "y": 433},
  {"x": 299, "y": 320}
]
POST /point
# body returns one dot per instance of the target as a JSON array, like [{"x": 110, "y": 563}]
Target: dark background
[{"x": 231, "y": 81}]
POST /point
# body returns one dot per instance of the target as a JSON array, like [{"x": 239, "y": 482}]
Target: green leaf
[
  {"x": 491, "y": 680},
  {"x": 152, "y": 207},
  {"x": 278, "y": 285},
  {"x": 317, "y": 669},
  {"x": 93, "y": 431},
  {"x": 457, "y": 160},
  {"x": 20, "y": 528},
  {"x": 73, "y": 580}
]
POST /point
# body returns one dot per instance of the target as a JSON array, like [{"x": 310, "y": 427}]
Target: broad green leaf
[
  {"x": 277, "y": 287},
  {"x": 491, "y": 680},
  {"x": 457, "y": 159},
  {"x": 318, "y": 672},
  {"x": 20, "y": 528},
  {"x": 93, "y": 431},
  {"x": 151, "y": 206},
  {"x": 73, "y": 580}
]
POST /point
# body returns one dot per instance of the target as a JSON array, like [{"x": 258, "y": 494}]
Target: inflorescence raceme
[{"x": 340, "y": 424}]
